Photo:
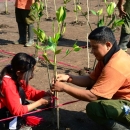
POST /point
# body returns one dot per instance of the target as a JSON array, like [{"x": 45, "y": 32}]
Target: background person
[
  {"x": 22, "y": 10},
  {"x": 124, "y": 12},
  {"x": 14, "y": 89},
  {"x": 108, "y": 86}
]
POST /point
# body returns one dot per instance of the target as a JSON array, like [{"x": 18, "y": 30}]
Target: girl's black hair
[
  {"x": 102, "y": 35},
  {"x": 21, "y": 62}
]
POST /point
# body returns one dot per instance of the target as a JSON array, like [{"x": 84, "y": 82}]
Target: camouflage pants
[{"x": 101, "y": 111}]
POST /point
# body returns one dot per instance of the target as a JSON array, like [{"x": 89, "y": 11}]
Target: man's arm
[
  {"x": 121, "y": 8},
  {"x": 81, "y": 94},
  {"x": 83, "y": 81}
]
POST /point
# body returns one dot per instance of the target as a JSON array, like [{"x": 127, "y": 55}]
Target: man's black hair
[{"x": 102, "y": 35}]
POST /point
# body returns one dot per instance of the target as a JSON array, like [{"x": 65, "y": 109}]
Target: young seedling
[
  {"x": 51, "y": 45},
  {"x": 77, "y": 9},
  {"x": 114, "y": 22},
  {"x": 36, "y": 13},
  {"x": 55, "y": 5},
  {"x": 61, "y": 20},
  {"x": 46, "y": 9},
  {"x": 6, "y": 7},
  {"x": 60, "y": 16}
]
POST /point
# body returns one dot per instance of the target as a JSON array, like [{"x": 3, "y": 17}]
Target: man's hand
[
  {"x": 62, "y": 77},
  {"x": 58, "y": 86},
  {"x": 122, "y": 13}
]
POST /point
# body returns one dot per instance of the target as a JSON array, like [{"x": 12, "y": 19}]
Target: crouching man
[{"x": 108, "y": 86}]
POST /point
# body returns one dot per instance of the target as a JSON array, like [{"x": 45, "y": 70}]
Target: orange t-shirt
[
  {"x": 113, "y": 79},
  {"x": 24, "y": 4}
]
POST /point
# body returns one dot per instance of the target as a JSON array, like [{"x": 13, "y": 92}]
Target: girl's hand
[
  {"x": 49, "y": 93},
  {"x": 46, "y": 100}
]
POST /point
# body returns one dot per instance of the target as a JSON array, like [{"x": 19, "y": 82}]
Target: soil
[{"x": 72, "y": 116}]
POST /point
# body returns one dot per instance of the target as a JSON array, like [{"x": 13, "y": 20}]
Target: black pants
[{"x": 21, "y": 15}]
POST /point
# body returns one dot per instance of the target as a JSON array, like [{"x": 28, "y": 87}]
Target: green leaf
[
  {"x": 118, "y": 23},
  {"x": 78, "y": 8},
  {"x": 75, "y": 44},
  {"x": 51, "y": 46},
  {"x": 77, "y": 48},
  {"x": 37, "y": 5},
  {"x": 46, "y": 58},
  {"x": 37, "y": 47},
  {"x": 93, "y": 12},
  {"x": 57, "y": 36},
  {"x": 61, "y": 14},
  {"x": 41, "y": 6},
  {"x": 99, "y": 12},
  {"x": 40, "y": 34},
  {"x": 66, "y": 1},
  {"x": 67, "y": 52},
  {"x": 35, "y": 31},
  {"x": 110, "y": 8},
  {"x": 101, "y": 22},
  {"x": 58, "y": 51},
  {"x": 75, "y": 10},
  {"x": 113, "y": 18}
]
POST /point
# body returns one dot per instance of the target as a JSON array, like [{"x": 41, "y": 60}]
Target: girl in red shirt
[{"x": 14, "y": 89}]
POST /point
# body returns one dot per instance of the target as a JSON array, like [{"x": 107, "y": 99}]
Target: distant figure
[
  {"x": 124, "y": 12},
  {"x": 15, "y": 89},
  {"x": 107, "y": 88},
  {"x": 22, "y": 10}
]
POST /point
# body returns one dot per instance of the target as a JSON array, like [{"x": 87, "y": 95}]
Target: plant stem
[
  {"x": 56, "y": 93},
  {"x": 55, "y": 5},
  {"x": 87, "y": 34},
  {"x": 36, "y": 50},
  {"x": 75, "y": 4},
  {"x": 6, "y": 10},
  {"x": 46, "y": 9}
]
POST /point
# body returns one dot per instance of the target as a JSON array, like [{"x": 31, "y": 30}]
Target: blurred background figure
[{"x": 124, "y": 12}]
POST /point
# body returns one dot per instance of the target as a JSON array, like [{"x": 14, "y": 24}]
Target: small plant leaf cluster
[{"x": 114, "y": 22}]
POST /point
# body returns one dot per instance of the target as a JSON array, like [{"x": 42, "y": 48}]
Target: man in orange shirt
[
  {"x": 108, "y": 86},
  {"x": 22, "y": 10}
]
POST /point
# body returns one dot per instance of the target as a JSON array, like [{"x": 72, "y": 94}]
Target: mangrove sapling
[
  {"x": 86, "y": 15},
  {"x": 6, "y": 7},
  {"x": 35, "y": 16},
  {"x": 51, "y": 45},
  {"x": 46, "y": 9},
  {"x": 114, "y": 22},
  {"x": 55, "y": 5},
  {"x": 87, "y": 24},
  {"x": 77, "y": 8},
  {"x": 60, "y": 17}
]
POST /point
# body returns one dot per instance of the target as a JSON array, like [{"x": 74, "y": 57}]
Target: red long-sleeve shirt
[{"x": 12, "y": 98}]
